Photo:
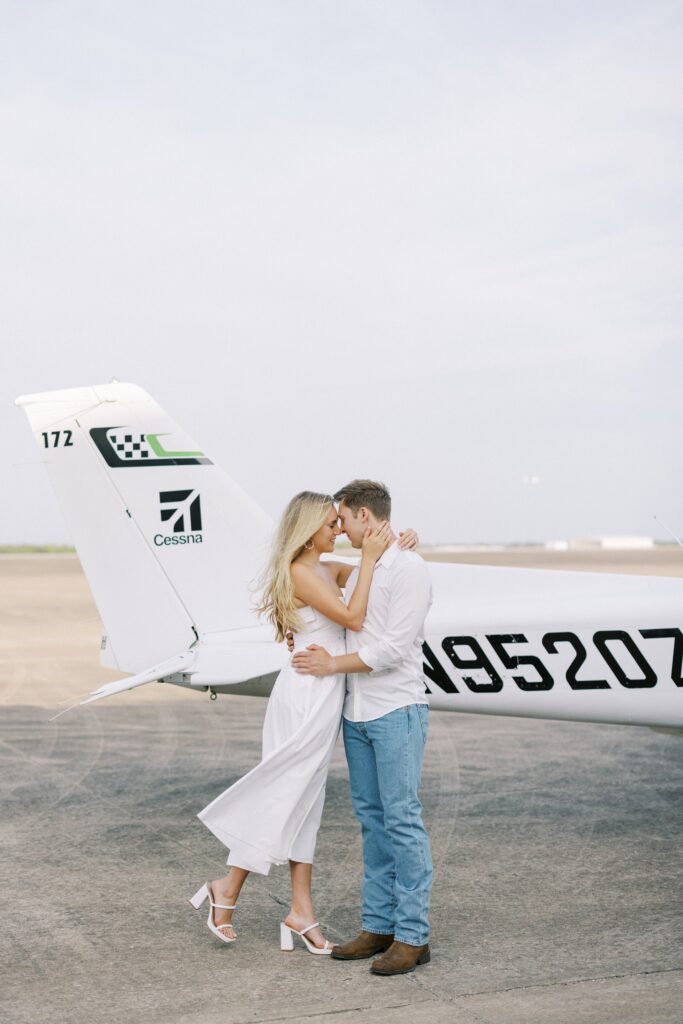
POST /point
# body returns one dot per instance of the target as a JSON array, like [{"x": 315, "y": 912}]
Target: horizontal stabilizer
[
  {"x": 178, "y": 663},
  {"x": 230, "y": 663}
]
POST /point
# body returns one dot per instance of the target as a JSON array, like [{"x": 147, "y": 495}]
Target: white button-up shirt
[{"x": 391, "y": 639}]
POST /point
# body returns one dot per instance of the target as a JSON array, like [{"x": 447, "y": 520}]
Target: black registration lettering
[
  {"x": 603, "y": 637},
  {"x": 498, "y": 642},
  {"x": 550, "y": 642},
  {"x": 434, "y": 670},
  {"x": 477, "y": 661},
  {"x": 677, "y": 660}
]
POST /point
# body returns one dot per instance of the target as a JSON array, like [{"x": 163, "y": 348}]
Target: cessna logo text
[{"x": 181, "y": 512}]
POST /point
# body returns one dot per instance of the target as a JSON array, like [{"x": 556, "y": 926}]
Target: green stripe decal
[{"x": 158, "y": 449}]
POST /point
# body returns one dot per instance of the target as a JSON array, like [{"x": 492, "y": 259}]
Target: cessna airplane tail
[
  {"x": 170, "y": 545},
  {"x": 141, "y": 499}
]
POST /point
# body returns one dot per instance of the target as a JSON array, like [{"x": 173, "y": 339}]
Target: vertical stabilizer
[{"x": 168, "y": 542}]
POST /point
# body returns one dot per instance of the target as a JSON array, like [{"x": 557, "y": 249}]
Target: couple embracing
[{"x": 356, "y": 639}]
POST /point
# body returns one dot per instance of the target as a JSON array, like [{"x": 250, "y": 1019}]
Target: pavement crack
[
  {"x": 560, "y": 984},
  {"x": 278, "y": 899},
  {"x": 330, "y": 1013}
]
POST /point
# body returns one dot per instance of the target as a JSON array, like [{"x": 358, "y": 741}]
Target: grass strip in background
[{"x": 37, "y": 549}]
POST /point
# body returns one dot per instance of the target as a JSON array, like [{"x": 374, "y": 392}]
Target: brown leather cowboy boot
[
  {"x": 364, "y": 945},
  {"x": 400, "y": 958}
]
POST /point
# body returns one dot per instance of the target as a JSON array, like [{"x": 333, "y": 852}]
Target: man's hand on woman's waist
[{"x": 316, "y": 661}]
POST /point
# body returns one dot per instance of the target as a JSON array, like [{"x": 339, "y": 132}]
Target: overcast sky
[{"x": 437, "y": 243}]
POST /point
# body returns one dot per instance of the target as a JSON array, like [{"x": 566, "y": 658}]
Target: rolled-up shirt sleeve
[{"x": 411, "y": 596}]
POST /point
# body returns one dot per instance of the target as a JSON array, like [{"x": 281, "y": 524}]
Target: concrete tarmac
[{"x": 557, "y": 890}]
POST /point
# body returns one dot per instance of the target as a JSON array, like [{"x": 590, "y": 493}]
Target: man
[{"x": 386, "y": 718}]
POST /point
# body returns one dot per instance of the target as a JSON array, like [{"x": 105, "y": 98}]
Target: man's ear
[{"x": 363, "y": 514}]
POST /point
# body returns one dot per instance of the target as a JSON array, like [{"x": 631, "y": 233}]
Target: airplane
[{"x": 170, "y": 545}]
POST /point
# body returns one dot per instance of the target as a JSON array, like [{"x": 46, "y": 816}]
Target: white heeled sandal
[
  {"x": 197, "y": 901},
  {"x": 287, "y": 939}
]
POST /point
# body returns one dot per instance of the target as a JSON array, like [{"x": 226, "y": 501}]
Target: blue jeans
[{"x": 385, "y": 764}]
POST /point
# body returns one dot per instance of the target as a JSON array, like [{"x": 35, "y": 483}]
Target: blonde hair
[{"x": 303, "y": 517}]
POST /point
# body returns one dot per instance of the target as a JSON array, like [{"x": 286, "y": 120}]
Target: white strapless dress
[{"x": 272, "y": 814}]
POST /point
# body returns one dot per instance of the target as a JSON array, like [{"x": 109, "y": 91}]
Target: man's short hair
[{"x": 366, "y": 494}]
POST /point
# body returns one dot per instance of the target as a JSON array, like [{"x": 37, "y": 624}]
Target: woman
[{"x": 272, "y": 814}]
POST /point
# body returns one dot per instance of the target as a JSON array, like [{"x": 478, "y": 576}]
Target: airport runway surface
[{"x": 557, "y": 892}]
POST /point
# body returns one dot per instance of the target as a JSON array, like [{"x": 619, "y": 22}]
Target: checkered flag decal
[{"x": 129, "y": 446}]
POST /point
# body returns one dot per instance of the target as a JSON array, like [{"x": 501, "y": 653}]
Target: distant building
[{"x": 602, "y": 544}]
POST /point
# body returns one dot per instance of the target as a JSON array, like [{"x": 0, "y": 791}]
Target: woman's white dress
[{"x": 272, "y": 814}]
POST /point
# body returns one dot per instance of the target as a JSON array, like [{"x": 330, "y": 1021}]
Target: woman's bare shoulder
[
  {"x": 336, "y": 566},
  {"x": 340, "y": 572},
  {"x": 332, "y": 572}
]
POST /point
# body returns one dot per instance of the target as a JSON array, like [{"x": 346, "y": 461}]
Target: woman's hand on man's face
[
  {"x": 377, "y": 539},
  {"x": 408, "y": 540}
]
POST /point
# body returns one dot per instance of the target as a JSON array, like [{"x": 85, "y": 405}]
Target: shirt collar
[{"x": 389, "y": 555}]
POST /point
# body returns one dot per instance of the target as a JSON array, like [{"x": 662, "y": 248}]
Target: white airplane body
[{"x": 170, "y": 546}]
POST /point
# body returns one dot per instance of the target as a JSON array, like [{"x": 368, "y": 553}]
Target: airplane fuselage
[{"x": 535, "y": 643}]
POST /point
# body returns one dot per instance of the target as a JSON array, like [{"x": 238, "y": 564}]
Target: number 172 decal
[{"x": 60, "y": 439}]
